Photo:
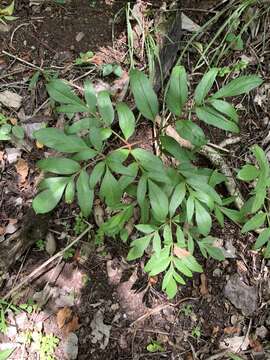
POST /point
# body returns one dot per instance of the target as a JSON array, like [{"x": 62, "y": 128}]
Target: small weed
[
  {"x": 40, "y": 244},
  {"x": 109, "y": 69},
  {"x": 84, "y": 58},
  {"x": 79, "y": 225},
  {"x": 196, "y": 332},
  {"x": 187, "y": 310},
  {"x": 45, "y": 345},
  {"x": 154, "y": 346},
  {"x": 68, "y": 254}
]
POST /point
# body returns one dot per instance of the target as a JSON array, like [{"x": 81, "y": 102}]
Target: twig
[
  {"x": 22, "y": 61},
  {"x": 13, "y": 33},
  {"x": 45, "y": 264},
  {"x": 159, "y": 308}
]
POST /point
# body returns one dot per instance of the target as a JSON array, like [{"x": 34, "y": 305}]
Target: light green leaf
[
  {"x": 138, "y": 247},
  {"x": 85, "y": 195},
  {"x": 177, "y": 198},
  {"x": 203, "y": 219},
  {"x": 192, "y": 263},
  {"x": 248, "y": 173},
  {"x": 167, "y": 235},
  {"x": 58, "y": 140},
  {"x": 159, "y": 201},
  {"x": 235, "y": 215},
  {"x": 254, "y": 223},
  {"x": 90, "y": 95},
  {"x": 178, "y": 90},
  {"x": 70, "y": 192},
  {"x": 146, "y": 228},
  {"x": 105, "y": 107},
  {"x": 8, "y": 10},
  {"x": 95, "y": 136},
  {"x": 61, "y": 92},
  {"x": 239, "y": 86},
  {"x": 5, "y": 354},
  {"x": 182, "y": 267},
  {"x": 211, "y": 117},
  {"x": 145, "y": 98},
  {"x": 96, "y": 174},
  {"x": 225, "y": 108},
  {"x": 49, "y": 198},
  {"x": 59, "y": 165},
  {"x": 82, "y": 124},
  {"x": 205, "y": 85},
  {"x": 18, "y": 132},
  {"x": 171, "y": 288},
  {"x": 262, "y": 239},
  {"x": 156, "y": 243},
  {"x": 126, "y": 119},
  {"x": 110, "y": 189},
  {"x": 190, "y": 208}
]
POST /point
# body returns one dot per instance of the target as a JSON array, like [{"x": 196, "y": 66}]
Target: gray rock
[
  {"x": 71, "y": 347},
  {"x": 261, "y": 332},
  {"x": 10, "y": 99},
  {"x": 4, "y": 28},
  {"x": 242, "y": 296},
  {"x": 217, "y": 272},
  {"x": 12, "y": 155},
  {"x": 235, "y": 344}
]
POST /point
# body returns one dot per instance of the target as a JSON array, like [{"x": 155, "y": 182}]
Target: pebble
[
  {"x": 71, "y": 347},
  {"x": 80, "y": 36},
  {"x": 10, "y": 99},
  {"x": 217, "y": 272},
  {"x": 261, "y": 332}
]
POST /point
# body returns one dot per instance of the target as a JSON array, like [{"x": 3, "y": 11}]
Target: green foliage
[
  {"x": 8, "y": 131},
  {"x": 176, "y": 203},
  {"x": 45, "y": 345},
  {"x": 154, "y": 346},
  {"x": 5, "y": 354}
]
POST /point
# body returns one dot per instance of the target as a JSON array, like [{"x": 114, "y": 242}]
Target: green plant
[
  {"x": 187, "y": 309},
  {"x": 109, "y": 69},
  {"x": 196, "y": 332},
  {"x": 68, "y": 254},
  {"x": 84, "y": 58},
  {"x": 154, "y": 346},
  {"x": 5, "y": 354},
  {"x": 7, "y": 131},
  {"x": 176, "y": 203},
  {"x": 80, "y": 225},
  {"x": 45, "y": 345},
  {"x": 6, "y": 14},
  {"x": 40, "y": 244}
]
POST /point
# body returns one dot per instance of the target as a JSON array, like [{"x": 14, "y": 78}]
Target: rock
[
  {"x": 71, "y": 347},
  {"x": 4, "y": 28},
  {"x": 50, "y": 246},
  {"x": 229, "y": 251},
  {"x": 188, "y": 24},
  {"x": 217, "y": 272},
  {"x": 10, "y": 99},
  {"x": 242, "y": 296},
  {"x": 261, "y": 332},
  {"x": 235, "y": 344},
  {"x": 80, "y": 36},
  {"x": 12, "y": 155},
  {"x": 100, "y": 331}
]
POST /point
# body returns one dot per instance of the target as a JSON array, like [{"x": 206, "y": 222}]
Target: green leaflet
[
  {"x": 203, "y": 218},
  {"x": 62, "y": 166},
  {"x": 248, "y": 173},
  {"x": 177, "y": 198},
  {"x": 110, "y": 189},
  {"x": 177, "y": 93},
  {"x": 105, "y": 107},
  {"x": 18, "y": 132},
  {"x": 96, "y": 174},
  {"x": 205, "y": 85},
  {"x": 70, "y": 191},
  {"x": 212, "y": 117},
  {"x": 5, "y": 354},
  {"x": 262, "y": 239},
  {"x": 188, "y": 130},
  {"x": 138, "y": 247},
  {"x": 90, "y": 95},
  {"x": 85, "y": 195},
  {"x": 225, "y": 108},
  {"x": 145, "y": 98},
  {"x": 159, "y": 201},
  {"x": 239, "y": 86},
  {"x": 126, "y": 120},
  {"x": 254, "y": 223},
  {"x": 61, "y": 92}
]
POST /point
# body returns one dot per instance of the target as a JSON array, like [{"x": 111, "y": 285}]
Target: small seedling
[
  {"x": 45, "y": 345},
  {"x": 84, "y": 58},
  {"x": 109, "y": 69},
  {"x": 79, "y": 225},
  {"x": 196, "y": 332},
  {"x": 40, "y": 244},
  {"x": 68, "y": 254},
  {"x": 187, "y": 309},
  {"x": 154, "y": 346}
]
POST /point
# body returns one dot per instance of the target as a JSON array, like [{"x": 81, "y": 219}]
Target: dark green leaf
[
  {"x": 159, "y": 201},
  {"x": 177, "y": 198},
  {"x": 85, "y": 195},
  {"x": 145, "y": 97},
  {"x": 110, "y": 189},
  {"x": 70, "y": 191},
  {"x": 95, "y": 136},
  {"x": 225, "y": 108},
  {"x": 18, "y": 132},
  {"x": 174, "y": 148},
  {"x": 192, "y": 132},
  {"x": 141, "y": 190},
  {"x": 178, "y": 90},
  {"x": 59, "y": 165},
  {"x": 82, "y": 124},
  {"x": 205, "y": 85},
  {"x": 203, "y": 219},
  {"x": 262, "y": 239},
  {"x": 239, "y": 86},
  {"x": 190, "y": 208},
  {"x": 90, "y": 95},
  {"x": 96, "y": 174},
  {"x": 85, "y": 155}
]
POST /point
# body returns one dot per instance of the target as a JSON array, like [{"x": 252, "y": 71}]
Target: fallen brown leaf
[
  {"x": 63, "y": 316},
  {"x": 2, "y": 230},
  {"x": 22, "y": 169},
  {"x": 230, "y": 330},
  {"x": 255, "y": 345},
  {"x": 179, "y": 252},
  {"x": 72, "y": 326}
]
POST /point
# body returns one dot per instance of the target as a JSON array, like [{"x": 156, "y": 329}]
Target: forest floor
[{"x": 94, "y": 301}]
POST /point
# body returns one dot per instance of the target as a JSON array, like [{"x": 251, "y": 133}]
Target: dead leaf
[
  {"x": 255, "y": 345},
  {"x": 72, "y": 326},
  {"x": 231, "y": 330},
  {"x": 2, "y": 230},
  {"x": 203, "y": 287},
  {"x": 179, "y": 252},
  {"x": 39, "y": 145},
  {"x": 22, "y": 169},
  {"x": 63, "y": 316},
  {"x": 12, "y": 226},
  {"x": 13, "y": 121}
]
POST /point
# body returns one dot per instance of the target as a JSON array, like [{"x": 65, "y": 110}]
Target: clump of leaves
[
  {"x": 154, "y": 346},
  {"x": 84, "y": 58},
  {"x": 7, "y": 131},
  {"x": 6, "y": 13},
  {"x": 176, "y": 203},
  {"x": 45, "y": 345}
]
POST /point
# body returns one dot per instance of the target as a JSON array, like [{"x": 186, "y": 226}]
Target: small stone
[
  {"x": 217, "y": 272},
  {"x": 4, "y": 28},
  {"x": 80, "y": 36},
  {"x": 261, "y": 332},
  {"x": 10, "y": 99},
  {"x": 235, "y": 344},
  {"x": 12, "y": 155},
  {"x": 242, "y": 296},
  {"x": 71, "y": 347},
  {"x": 50, "y": 244},
  {"x": 115, "y": 307}
]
